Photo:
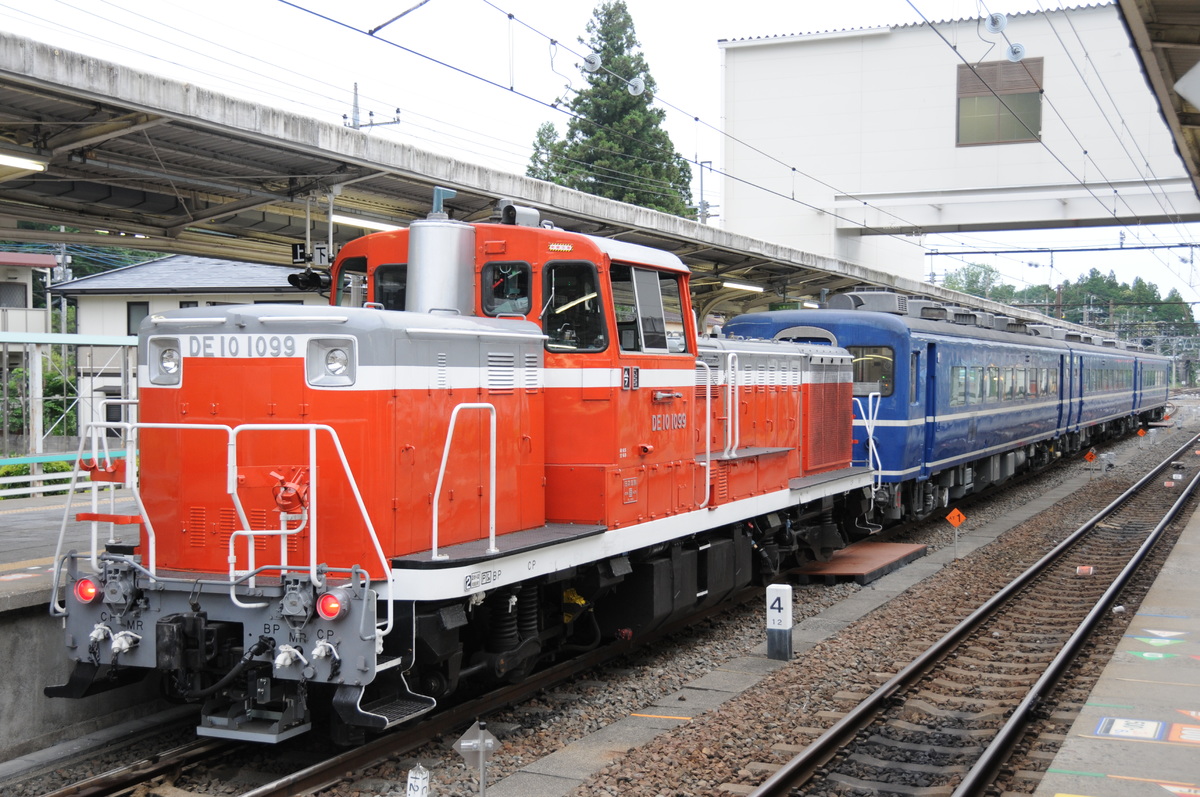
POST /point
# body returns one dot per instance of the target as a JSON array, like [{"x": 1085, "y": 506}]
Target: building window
[
  {"x": 1013, "y": 114},
  {"x": 134, "y": 313},
  {"x": 12, "y": 294},
  {"x": 184, "y": 304}
]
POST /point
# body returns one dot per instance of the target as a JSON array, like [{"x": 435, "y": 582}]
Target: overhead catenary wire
[
  {"x": 1033, "y": 135},
  {"x": 512, "y": 155},
  {"x": 659, "y": 99},
  {"x": 1084, "y": 150},
  {"x": 560, "y": 109}
]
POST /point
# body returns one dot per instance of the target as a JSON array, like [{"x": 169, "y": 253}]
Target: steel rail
[
  {"x": 987, "y": 766},
  {"x": 143, "y": 769},
  {"x": 332, "y": 771},
  {"x": 800, "y": 768}
]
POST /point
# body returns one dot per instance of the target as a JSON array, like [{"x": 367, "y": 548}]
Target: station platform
[
  {"x": 1139, "y": 732},
  {"x": 28, "y": 534}
]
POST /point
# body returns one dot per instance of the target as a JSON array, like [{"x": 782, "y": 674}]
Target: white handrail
[
  {"x": 733, "y": 421},
  {"x": 437, "y": 492},
  {"x": 93, "y": 430},
  {"x": 312, "y": 429},
  {"x": 707, "y": 433},
  {"x": 870, "y": 416}
]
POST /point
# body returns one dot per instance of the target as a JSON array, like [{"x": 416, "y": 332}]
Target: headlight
[
  {"x": 165, "y": 361},
  {"x": 337, "y": 362},
  {"x": 168, "y": 361},
  {"x": 330, "y": 362}
]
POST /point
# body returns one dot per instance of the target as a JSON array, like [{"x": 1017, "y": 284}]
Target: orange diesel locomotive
[{"x": 500, "y": 443}]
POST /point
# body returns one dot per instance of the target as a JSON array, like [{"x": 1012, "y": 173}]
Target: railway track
[
  {"x": 182, "y": 768},
  {"x": 946, "y": 723},
  {"x": 201, "y": 774}
]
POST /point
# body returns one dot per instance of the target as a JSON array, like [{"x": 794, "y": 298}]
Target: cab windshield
[{"x": 573, "y": 313}]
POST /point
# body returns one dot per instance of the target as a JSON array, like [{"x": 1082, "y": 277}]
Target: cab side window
[
  {"x": 648, "y": 308},
  {"x": 505, "y": 289},
  {"x": 352, "y": 282},
  {"x": 573, "y": 314},
  {"x": 391, "y": 285}
]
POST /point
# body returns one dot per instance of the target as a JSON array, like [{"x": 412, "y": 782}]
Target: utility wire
[{"x": 1033, "y": 135}]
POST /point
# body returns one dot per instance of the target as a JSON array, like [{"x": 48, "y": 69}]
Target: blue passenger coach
[{"x": 950, "y": 400}]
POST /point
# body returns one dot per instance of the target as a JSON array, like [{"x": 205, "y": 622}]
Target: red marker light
[
  {"x": 333, "y": 604},
  {"x": 86, "y": 590}
]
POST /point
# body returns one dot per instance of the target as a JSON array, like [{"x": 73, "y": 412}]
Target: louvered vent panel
[
  {"x": 443, "y": 371},
  {"x": 706, "y": 383},
  {"x": 197, "y": 526},
  {"x": 297, "y": 543},
  {"x": 721, "y": 481},
  {"x": 227, "y": 524},
  {"x": 501, "y": 372},
  {"x": 258, "y": 522},
  {"x": 532, "y": 376}
]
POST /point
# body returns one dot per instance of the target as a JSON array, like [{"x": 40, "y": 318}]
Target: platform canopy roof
[
  {"x": 1166, "y": 34},
  {"x": 138, "y": 160}
]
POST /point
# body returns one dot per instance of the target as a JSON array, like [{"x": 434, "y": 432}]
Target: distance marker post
[{"x": 779, "y": 622}]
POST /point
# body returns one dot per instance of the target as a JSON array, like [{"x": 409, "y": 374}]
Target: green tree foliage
[
  {"x": 980, "y": 279},
  {"x": 1132, "y": 312},
  {"x": 59, "y": 391},
  {"x": 615, "y": 145},
  {"x": 547, "y": 159}
]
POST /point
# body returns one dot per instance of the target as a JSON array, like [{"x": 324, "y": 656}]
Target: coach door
[
  {"x": 1073, "y": 379},
  {"x": 931, "y": 413}
]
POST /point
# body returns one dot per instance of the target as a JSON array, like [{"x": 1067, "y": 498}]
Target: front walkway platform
[
  {"x": 1139, "y": 732},
  {"x": 862, "y": 563}
]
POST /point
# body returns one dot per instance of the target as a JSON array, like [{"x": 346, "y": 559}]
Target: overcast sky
[{"x": 474, "y": 84}]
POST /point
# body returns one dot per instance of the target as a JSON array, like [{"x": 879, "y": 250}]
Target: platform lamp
[{"x": 16, "y": 161}]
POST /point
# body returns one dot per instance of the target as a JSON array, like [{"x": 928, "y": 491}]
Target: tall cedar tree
[{"x": 615, "y": 145}]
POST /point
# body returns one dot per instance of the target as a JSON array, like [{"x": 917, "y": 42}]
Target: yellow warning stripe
[{"x": 80, "y": 504}]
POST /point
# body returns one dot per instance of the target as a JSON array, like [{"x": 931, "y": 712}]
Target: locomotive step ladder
[{"x": 379, "y": 715}]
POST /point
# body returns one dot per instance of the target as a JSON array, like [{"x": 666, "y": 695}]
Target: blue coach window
[
  {"x": 958, "y": 386},
  {"x": 874, "y": 369}
]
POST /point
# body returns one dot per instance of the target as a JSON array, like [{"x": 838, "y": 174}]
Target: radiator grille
[{"x": 827, "y": 443}]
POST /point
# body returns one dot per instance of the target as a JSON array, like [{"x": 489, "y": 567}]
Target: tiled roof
[{"x": 184, "y": 274}]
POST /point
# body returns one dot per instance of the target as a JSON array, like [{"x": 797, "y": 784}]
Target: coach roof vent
[
  {"x": 876, "y": 301},
  {"x": 1078, "y": 337},
  {"x": 1058, "y": 334},
  {"x": 844, "y": 301},
  {"x": 1000, "y": 322},
  {"x": 961, "y": 315},
  {"x": 923, "y": 308},
  {"x": 1014, "y": 325},
  {"x": 1040, "y": 330}
]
